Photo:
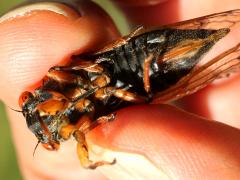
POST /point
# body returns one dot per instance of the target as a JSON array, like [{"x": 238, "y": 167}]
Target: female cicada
[{"x": 158, "y": 64}]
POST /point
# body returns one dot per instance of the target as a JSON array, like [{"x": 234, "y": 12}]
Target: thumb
[{"x": 37, "y": 37}]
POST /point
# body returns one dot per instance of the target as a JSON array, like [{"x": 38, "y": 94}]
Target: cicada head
[{"x": 43, "y": 125}]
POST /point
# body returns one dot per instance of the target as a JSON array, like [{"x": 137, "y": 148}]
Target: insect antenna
[
  {"x": 35, "y": 148},
  {"x": 15, "y": 110}
]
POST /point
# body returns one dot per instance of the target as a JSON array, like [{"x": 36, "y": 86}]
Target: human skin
[{"x": 179, "y": 144}]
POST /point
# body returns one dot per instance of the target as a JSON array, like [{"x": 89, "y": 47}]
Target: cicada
[{"x": 150, "y": 64}]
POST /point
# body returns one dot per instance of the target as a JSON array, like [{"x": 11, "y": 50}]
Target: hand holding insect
[{"x": 150, "y": 118}]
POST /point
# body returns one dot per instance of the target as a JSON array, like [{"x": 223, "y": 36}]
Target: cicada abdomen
[
  {"x": 166, "y": 63},
  {"x": 154, "y": 61}
]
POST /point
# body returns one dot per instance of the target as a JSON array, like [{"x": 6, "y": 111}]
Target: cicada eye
[{"x": 25, "y": 96}]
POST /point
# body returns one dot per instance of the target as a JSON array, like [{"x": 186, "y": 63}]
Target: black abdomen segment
[{"x": 128, "y": 59}]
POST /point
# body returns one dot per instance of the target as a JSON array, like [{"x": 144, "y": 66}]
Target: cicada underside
[{"x": 149, "y": 65}]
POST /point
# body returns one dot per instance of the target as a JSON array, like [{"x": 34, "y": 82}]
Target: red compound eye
[{"x": 25, "y": 96}]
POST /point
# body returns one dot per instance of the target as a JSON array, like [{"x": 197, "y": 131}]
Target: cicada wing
[
  {"x": 200, "y": 76},
  {"x": 223, "y": 20},
  {"x": 228, "y": 19}
]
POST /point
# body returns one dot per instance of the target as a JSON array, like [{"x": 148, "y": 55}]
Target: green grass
[{"x": 8, "y": 164}]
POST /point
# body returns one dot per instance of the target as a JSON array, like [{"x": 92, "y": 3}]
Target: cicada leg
[
  {"x": 83, "y": 154},
  {"x": 105, "y": 92},
  {"x": 78, "y": 131},
  {"x": 123, "y": 94},
  {"x": 65, "y": 77},
  {"x": 99, "y": 121},
  {"x": 88, "y": 66},
  {"x": 61, "y": 75},
  {"x": 146, "y": 73}
]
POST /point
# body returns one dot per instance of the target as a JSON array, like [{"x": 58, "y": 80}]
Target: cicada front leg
[
  {"x": 79, "y": 133},
  {"x": 83, "y": 154}
]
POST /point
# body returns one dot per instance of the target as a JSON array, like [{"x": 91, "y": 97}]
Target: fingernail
[{"x": 59, "y": 8}]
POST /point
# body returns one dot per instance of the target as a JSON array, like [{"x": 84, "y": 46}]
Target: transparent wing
[
  {"x": 227, "y": 19},
  {"x": 224, "y": 64}
]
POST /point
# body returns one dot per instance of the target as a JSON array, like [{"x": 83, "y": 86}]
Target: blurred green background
[{"x": 8, "y": 164}]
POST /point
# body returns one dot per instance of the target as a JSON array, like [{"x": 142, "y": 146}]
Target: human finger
[{"x": 163, "y": 142}]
